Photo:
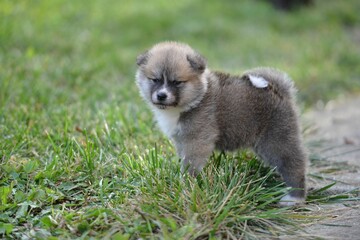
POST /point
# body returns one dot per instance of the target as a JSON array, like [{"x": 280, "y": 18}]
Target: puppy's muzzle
[
  {"x": 163, "y": 99},
  {"x": 161, "y": 96}
]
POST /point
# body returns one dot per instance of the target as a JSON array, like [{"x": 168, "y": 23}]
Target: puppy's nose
[{"x": 161, "y": 96}]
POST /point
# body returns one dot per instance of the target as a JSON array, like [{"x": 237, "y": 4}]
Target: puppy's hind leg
[{"x": 289, "y": 158}]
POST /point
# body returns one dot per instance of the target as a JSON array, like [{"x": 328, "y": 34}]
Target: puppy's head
[{"x": 171, "y": 74}]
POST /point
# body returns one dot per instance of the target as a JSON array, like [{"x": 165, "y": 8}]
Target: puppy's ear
[
  {"x": 197, "y": 62},
  {"x": 142, "y": 58}
]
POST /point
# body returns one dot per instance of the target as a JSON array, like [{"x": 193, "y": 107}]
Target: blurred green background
[{"x": 75, "y": 50}]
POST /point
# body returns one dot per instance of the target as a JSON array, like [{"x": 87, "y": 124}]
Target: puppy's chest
[{"x": 168, "y": 121}]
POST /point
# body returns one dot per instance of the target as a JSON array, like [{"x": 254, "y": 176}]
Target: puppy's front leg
[{"x": 194, "y": 156}]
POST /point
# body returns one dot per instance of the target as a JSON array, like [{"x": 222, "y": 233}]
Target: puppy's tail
[{"x": 272, "y": 79}]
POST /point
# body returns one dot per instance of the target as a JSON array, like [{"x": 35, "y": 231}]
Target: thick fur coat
[{"x": 202, "y": 110}]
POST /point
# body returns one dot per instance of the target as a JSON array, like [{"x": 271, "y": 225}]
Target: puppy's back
[{"x": 245, "y": 110}]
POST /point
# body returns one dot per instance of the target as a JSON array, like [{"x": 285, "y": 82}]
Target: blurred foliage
[{"x": 72, "y": 42}]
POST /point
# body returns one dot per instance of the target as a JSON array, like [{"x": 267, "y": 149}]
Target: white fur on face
[
  {"x": 144, "y": 85},
  {"x": 258, "y": 82}
]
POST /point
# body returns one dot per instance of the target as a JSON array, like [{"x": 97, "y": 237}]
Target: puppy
[{"x": 201, "y": 110}]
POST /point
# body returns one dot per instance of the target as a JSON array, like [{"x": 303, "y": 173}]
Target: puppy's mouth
[{"x": 164, "y": 106}]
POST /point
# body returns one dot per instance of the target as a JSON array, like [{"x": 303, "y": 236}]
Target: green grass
[{"x": 80, "y": 154}]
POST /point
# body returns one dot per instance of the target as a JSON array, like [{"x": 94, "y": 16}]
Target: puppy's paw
[{"x": 288, "y": 201}]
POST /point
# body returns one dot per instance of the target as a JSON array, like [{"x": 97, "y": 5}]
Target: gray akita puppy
[{"x": 201, "y": 110}]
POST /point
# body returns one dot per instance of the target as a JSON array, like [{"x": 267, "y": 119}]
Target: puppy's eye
[
  {"x": 155, "y": 80},
  {"x": 177, "y": 83}
]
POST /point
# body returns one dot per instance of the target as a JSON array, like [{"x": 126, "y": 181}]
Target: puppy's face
[{"x": 170, "y": 75}]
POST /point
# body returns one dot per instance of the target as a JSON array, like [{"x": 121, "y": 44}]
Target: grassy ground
[{"x": 77, "y": 144}]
